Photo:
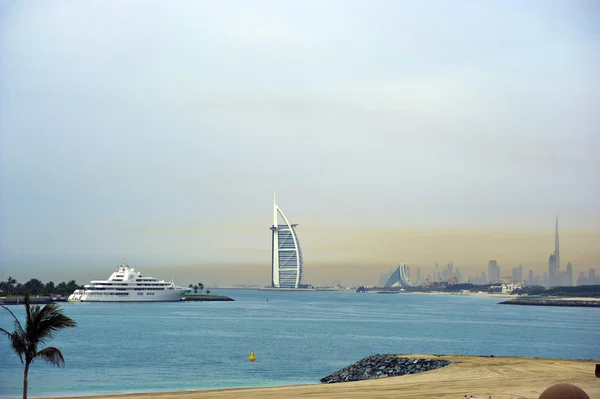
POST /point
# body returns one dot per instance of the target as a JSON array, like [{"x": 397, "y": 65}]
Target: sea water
[{"x": 297, "y": 337}]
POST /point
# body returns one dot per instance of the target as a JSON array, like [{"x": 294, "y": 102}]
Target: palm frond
[
  {"x": 32, "y": 323},
  {"x": 40, "y": 324},
  {"x": 18, "y": 337},
  {"x": 16, "y": 342},
  {"x": 18, "y": 327},
  {"x": 47, "y": 320},
  {"x": 27, "y": 305},
  {"x": 19, "y": 345},
  {"x": 52, "y": 355},
  {"x": 6, "y": 332}
]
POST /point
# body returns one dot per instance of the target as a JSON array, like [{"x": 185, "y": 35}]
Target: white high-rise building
[{"x": 286, "y": 255}]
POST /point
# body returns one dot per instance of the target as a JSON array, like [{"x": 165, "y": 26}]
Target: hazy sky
[{"x": 157, "y": 130}]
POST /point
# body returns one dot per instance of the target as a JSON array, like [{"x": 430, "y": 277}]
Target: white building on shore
[
  {"x": 286, "y": 255},
  {"x": 508, "y": 288}
]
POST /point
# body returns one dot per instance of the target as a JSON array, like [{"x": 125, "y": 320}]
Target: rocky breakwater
[
  {"x": 205, "y": 298},
  {"x": 379, "y": 366},
  {"x": 580, "y": 302}
]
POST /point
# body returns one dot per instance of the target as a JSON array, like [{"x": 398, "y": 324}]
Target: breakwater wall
[
  {"x": 379, "y": 366},
  {"x": 32, "y": 300},
  {"x": 205, "y": 298},
  {"x": 552, "y": 302}
]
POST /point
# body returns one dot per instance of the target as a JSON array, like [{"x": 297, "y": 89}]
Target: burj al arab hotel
[{"x": 286, "y": 255}]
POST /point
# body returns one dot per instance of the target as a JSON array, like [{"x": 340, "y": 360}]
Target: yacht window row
[
  {"x": 126, "y": 289},
  {"x": 133, "y": 284}
]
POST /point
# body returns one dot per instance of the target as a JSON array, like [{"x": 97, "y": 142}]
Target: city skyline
[
  {"x": 346, "y": 261},
  {"x": 554, "y": 276},
  {"x": 157, "y": 132}
]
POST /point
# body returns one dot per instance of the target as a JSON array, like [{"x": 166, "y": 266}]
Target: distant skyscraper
[
  {"x": 418, "y": 276},
  {"x": 436, "y": 273},
  {"x": 552, "y": 271},
  {"x": 554, "y": 261},
  {"x": 286, "y": 255},
  {"x": 569, "y": 274},
  {"x": 493, "y": 271},
  {"x": 556, "y": 245},
  {"x": 517, "y": 275}
]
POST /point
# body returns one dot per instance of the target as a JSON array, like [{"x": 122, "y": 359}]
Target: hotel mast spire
[{"x": 274, "y": 210}]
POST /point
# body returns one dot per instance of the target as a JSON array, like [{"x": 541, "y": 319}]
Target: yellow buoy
[{"x": 252, "y": 358}]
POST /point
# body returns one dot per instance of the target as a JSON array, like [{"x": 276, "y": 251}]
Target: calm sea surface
[{"x": 298, "y": 337}]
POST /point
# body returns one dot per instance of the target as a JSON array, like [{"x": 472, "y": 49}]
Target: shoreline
[
  {"x": 481, "y": 376},
  {"x": 46, "y": 300}
]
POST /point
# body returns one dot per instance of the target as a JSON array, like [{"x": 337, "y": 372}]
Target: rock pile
[
  {"x": 592, "y": 303},
  {"x": 379, "y": 366}
]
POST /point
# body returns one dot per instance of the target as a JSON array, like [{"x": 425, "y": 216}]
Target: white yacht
[{"x": 128, "y": 285}]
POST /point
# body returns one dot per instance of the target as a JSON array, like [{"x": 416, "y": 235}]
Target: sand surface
[{"x": 498, "y": 377}]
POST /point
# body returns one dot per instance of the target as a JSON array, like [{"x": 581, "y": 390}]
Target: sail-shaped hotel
[{"x": 286, "y": 255}]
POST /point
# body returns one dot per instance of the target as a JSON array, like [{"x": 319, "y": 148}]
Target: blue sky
[{"x": 158, "y": 130}]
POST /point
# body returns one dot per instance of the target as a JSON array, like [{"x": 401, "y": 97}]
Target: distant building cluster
[
  {"x": 479, "y": 280},
  {"x": 555, "y": 276},
  {"x": 287, "y": 267},
  {"x": 451, "y": 275},
  {"x": 591, "y": 279},
  {"x": 552, "y": 278}
]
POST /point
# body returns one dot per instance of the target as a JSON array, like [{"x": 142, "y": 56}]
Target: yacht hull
[{"x": 167, "y": 296}]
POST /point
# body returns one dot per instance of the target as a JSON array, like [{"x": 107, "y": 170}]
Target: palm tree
[
  {"x": 195, "y": 289},
  {"x": 207, "y": 291},
  {"x": 40, "y": 326},
  {"x": 201, "y": 286},
  {"x": 10, "y": 281}
]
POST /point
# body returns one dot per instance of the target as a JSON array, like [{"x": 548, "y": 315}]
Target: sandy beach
[{"x": 498, "y": 377}]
